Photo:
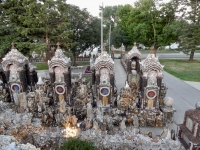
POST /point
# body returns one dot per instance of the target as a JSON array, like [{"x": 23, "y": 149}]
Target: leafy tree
[
  {"x": 190, "y": 35},
  {"x": 118, "y": 36},
  {"x": 32, "y": 24},
  {"x": 151, "y": 21},
  {"x": 85, "y": 30},
  {"x": 122, "y": 18},
  {"x": 109, "y": 21},
  {"x": 148, "y": 22}
]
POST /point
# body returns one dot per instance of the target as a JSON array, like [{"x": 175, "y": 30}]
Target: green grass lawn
[
  {"x": 183, "y": 69},
  {"x": 160, "y": 51},
  {"x": 44, "y": 66},
  {"x": 41, "y": 66},
  {"x": 82, "y": 63}
]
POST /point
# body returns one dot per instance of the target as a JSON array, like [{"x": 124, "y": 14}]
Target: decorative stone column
[
  {"x": 67, "y": 80},
  {"x": 60, "y": 75},
  {"x": 138, "y": 65},
  {"x": 7, "y": 74},
  {"x": 70, "y": 81},
  {"x": 93, "y": 77},
  {"x": 129, "y": 66},
  {"x": 144, "y": 84},
  {"x": 23, "y": 79},
  {"x": 159, "y": 83},
  {"x": 97, "y": 79},
  {"x": 112, "y": 82},
  {"x": 52, "y": 77}
]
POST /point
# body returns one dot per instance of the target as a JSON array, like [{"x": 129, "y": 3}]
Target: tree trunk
[
  {"x": 74, "y": 59},
  {"x": 191, "y": 55},
  {"x": 47, "y": 42},
  {"x": 153, "y": 50}
]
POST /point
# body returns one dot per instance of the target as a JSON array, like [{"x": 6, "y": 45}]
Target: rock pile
[
  {"x": 128, "y": 140},
  {"x": 10, "y": 143},
  {"x": 18, "y": 128}
]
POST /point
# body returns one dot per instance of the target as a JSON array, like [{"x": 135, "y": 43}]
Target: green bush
[{"x": 77, "y": 144}]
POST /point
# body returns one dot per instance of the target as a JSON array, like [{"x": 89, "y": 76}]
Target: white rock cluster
[
  {"x": 10, "y": 143},
  {"x": 128, "y": 141}
]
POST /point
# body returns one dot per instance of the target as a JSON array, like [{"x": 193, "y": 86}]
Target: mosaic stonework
[
  {"x": 145, "y": 79},
  {"x": 189, "y": 131},
  {"x": 21, "y": 76},
  {"x": 60, "y": 73},
  {"x": 62, "y": 106},
  {"x": 103, "y": 79},
  {"x": 130, "y": 61}
]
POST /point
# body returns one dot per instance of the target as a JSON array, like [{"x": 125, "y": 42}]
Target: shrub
[{"x": 77, "y": 144}]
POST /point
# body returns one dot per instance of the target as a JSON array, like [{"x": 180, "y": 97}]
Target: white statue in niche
[
  {"x": 104, "y": 76},
  {"x": 59, "y": 73},
  {"x": 89, "y": 111},
  {"x": 99, "y": 113},
  {"x": 23, "y": 104},
  {"x": 152, "y": 80},
  {"x": 13, "y": 73},
  {"x": 15, "y": 97}
]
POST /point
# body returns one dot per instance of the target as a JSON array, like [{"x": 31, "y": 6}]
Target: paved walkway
[{"x": 195, "y": 85}]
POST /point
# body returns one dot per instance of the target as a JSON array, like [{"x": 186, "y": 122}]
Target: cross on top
[
  {"x": 13, "y": 45},
  {"x": 58, "y": 45}
]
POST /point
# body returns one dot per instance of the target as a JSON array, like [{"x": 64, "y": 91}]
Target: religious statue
[{"x": 90, "y": 114}]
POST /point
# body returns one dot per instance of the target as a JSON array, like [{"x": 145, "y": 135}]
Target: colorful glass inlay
[
  {"x": 151, "y": 94},
  {"x": 104, "y": 91},
  {"x": 15, "y": 87},
  {"x": 60, "y": 89}
]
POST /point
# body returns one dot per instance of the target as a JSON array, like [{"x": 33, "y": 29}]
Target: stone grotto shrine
[{"x": 41, "y": 112}]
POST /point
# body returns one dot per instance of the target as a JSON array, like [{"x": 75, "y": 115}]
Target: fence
[
  {"x": 83, "y": 58},
  {"x": 36, "y": 59}
]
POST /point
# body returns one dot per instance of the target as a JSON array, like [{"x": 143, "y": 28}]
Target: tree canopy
[
  {"x": 32, "y": 24},
  {"x": 36, "y": 25},
  {"x": 147, "y": 22}
]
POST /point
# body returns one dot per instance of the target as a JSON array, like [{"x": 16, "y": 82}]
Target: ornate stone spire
[
  {"x": 134, "y": 52},
  {"x": 12, "y": 45},
  {"x": 59, "y": 59},
  {"x": 58, "y": 45}
]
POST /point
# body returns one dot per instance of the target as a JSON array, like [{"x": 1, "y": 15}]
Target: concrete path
[
  {"x": 120, "y": 75},
  {"x": 195, "y": 85},
  {"x": 185, "y": 96}
]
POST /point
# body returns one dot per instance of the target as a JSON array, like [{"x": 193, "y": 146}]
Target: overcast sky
[{"x": 93, "y": 5}]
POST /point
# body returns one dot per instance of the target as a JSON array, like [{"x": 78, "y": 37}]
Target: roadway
[
  {"x": 180, "y": 55},
  {"x": 184, "y": 95}
]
